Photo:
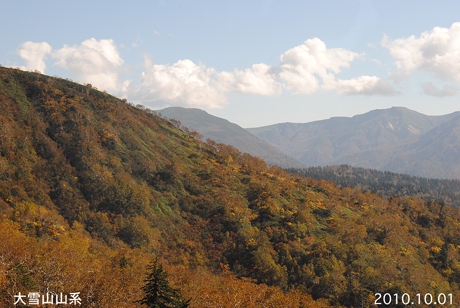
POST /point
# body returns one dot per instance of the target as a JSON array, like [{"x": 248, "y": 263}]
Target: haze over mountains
[{"x": 396, "y": 139}]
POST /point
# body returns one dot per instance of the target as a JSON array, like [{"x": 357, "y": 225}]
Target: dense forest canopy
[
  {"x": 387, "y": 183},
  {"x": 91, "y": 187}
]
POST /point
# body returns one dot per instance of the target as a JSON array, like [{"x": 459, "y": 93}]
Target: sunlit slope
[
  {"x": 90, "y": 186},
  {"x": 223, "y": 131}
]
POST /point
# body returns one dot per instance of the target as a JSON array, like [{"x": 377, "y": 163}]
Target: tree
[{"x": 157, "y": 291}]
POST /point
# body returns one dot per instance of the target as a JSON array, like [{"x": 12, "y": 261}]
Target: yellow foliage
[{"x": 435, "y": 249}]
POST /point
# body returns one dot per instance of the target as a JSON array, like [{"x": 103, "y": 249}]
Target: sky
[{"x": 254, "y": 63}]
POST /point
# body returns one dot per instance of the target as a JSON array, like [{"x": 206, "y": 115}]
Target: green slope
[{"x": 223, "y": 131}]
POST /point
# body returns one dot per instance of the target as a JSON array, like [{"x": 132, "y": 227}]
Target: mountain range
[{"x": 396, "y": 139}]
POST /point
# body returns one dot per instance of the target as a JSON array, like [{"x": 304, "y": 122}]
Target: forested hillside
[
  {"x": 387, "y": 183},
  {"x": 92, "y": 187}
]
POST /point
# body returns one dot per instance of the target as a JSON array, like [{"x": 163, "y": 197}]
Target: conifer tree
[{"x": 157, "y": 291}]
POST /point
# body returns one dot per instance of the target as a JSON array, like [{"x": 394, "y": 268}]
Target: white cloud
[
  {"x": 257, "y": 80},
  {"x": 364, "y": 85},
  {"x": 184, "y": 83},
  {"x": 430, "y": 89},
  {"x": 436, "y": 52},
  {"x": 303, "y": 69},
  {"x": 302, "y": 65},
  {"x": 34, "y": 54},
  {"x": 94, "y": 62},
  {"x": 371, "y": 45}
]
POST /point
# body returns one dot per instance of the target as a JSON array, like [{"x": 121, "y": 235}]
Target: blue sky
[{"x": 254, "y": 63}]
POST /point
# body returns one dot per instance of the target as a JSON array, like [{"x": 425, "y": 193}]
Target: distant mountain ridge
[
  {"x": 396, "y": 139},
  {"x": 434, "y": 154},
  {"x": 223, "y": 131}
]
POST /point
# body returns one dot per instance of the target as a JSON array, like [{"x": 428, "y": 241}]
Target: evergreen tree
[{"x": 157, "y": 291}]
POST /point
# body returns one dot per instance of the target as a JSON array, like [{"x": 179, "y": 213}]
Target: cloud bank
[
  {"x": 34, "y": 54},
  {"x": 304, "y": 69},
  {"x": 364, "y": 85},
  {"x": 260, "y": 79},
  {"x": 303, "y": 65},
  {"x": 184, "y": 83},
  {"x": 94, "y": 62},
  {"x": 430, "y": 89},
  {"x": 436, "y": 52}
]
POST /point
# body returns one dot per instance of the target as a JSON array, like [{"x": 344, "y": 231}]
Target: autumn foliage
[{"x": 91, "y": 187}]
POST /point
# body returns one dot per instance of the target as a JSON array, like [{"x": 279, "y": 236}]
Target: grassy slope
[{"x": 223, "y": 131}]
